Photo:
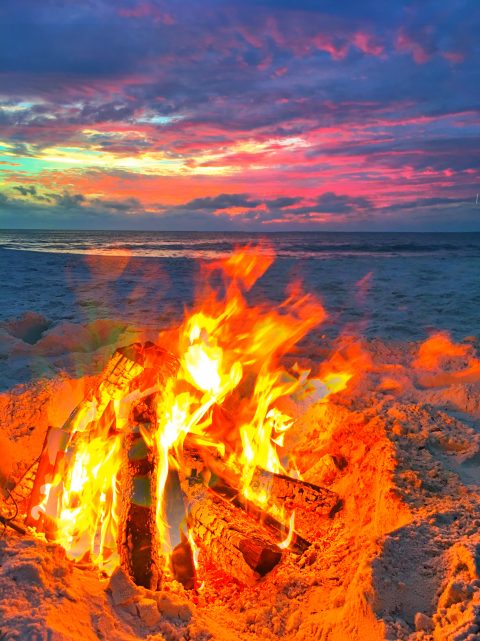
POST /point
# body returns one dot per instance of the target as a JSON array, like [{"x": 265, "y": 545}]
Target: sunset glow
[{"x": 153, "y": 115}]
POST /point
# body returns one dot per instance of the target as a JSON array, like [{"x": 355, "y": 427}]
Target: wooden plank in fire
[
  {"x": 138, "y": 537},
  {"x": 230, "y": 540},
  {"x": 54, "y": 447},
  {"x": 297, "y": 545},
  {"x": 310, "y": 502},
  {"x": 137, "y": 542}
]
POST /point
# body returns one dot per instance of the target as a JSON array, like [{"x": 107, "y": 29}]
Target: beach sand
[{"x": 401, "y": 560}]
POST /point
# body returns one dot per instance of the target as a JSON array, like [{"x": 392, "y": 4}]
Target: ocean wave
[{"x": 211, "y": 246}]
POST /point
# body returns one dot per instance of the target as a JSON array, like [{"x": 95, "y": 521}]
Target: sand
[{"x": 401, "y": 561}]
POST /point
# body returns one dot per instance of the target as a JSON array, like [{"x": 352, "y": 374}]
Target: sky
[{"x": 225, "y": 115}]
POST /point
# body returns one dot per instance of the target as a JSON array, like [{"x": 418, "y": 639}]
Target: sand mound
[{"x": 32, "y": 347}]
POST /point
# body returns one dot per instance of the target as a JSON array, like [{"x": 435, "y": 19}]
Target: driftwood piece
[
  {"x": 231, "y": 541},
  {"x": 137, "y": 543}
]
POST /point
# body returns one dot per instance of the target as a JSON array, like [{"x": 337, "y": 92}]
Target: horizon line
[{"x": 248, "y": 231}]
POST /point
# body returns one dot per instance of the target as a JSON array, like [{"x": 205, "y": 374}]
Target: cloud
[
  {"x": 30, "y": 190},
  {"x": 269, "y": 111},
  {"x": 223, "y": 201},
  {"x": 326, "y": 211}
]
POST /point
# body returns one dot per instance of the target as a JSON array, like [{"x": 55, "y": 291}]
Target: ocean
[
  {"x": 395, "y": 286},
  {"x": 410, "y": 283}
]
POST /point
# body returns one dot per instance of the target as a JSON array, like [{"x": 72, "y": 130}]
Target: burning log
[
  {"x": 232, "y": 542},
  {"x": 309, "y": 501},
  {"x": 138, "y": 544},
  {"x": 126, "y": 364},
  {"x": 305, "y": 498},
  {"x": 117, "y": 375},
  {"x": 137, "y": 531},
  {"x": 194, "y": 460},
  {"x": 297, "y": 545}
]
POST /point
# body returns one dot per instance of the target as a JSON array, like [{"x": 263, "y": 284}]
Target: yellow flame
[{"x": 87, "y": 509}]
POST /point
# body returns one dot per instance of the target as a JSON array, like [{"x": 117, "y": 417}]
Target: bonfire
[{"x": 216, "y": 482}]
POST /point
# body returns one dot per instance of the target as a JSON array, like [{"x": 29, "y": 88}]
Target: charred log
[
  {"x": 231, "y": 541},
  {"x": 298, "y": 544},
  {"x": 310, "y": 502},
  {"x": 137, "y": 531},
  {"x": 127, "y": 363},
  {"x": 295, "y": 494}
]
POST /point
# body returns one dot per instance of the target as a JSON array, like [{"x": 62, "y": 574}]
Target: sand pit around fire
[{"x": 401, "y": 560}]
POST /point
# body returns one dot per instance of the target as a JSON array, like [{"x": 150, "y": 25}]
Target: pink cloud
[
  {"x": 405, "y": 43},
  {"x": 454, "y": 56},
  {"x": 324, "y": 43},
  {"x": 147, "y": 10},
  {"x": 364, "y": 42}
]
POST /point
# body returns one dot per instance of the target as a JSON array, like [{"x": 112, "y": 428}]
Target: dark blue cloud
[{"x": 73, "y": 211}]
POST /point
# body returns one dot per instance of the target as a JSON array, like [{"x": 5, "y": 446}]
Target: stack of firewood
[{"x": 237, "y": 536}]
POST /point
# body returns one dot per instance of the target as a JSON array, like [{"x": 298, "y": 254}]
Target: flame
[
  {"x": 228, "y": 393},
  {"x": 87, "y": 501},
  {"x": 199, "y": 584},
  {"x": 291, "y": 529},
  {"x": 229, "y": 352}
]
